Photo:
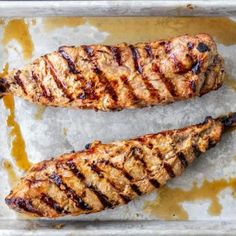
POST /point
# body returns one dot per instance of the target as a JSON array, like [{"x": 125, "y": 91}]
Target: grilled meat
[
  {"x": 108, "y": 175},
  {"x": 122, "y": 76}
]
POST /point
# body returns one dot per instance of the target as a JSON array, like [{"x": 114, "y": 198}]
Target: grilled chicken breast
[
  {"x": 109, "y": 175},
  {"x": 122, "y": 76}
]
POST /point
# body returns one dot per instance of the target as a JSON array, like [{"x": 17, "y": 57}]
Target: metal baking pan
[{"x": 202, "y": 201}]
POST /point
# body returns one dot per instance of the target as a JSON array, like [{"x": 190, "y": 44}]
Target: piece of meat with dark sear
[
  {"x": 108, "y": 175},
  {"x": 122, "y": 76}
]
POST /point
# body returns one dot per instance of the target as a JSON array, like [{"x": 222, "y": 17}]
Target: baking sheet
[{"x": 63, "y": 130}]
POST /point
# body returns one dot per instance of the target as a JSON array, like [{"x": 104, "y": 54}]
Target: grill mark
[
  {"x": 58, "y": 82},
  {"x": 130, "y": 89},
  {"x": 148, "y": 50},
  {"x": 19, "y": 81},
  {"x": 75, "y": 170},
  {"x": 134, "y": 187},
  {"x": 116, "y": 54},
  {"x": 97, "y": 170},
  {"x": 152, "y": 181},
  {"x": 21, "y": 203},
  {"x": 153, "y": 92},
  {"x": 182, "y": 159},
  {"x": 70, "y": 193},
  {"x": 167, "y": 82},
  {"x": 155, "y": 183},
  {"x": 53, "y": 204},
  {"x": 102, "y": 78},
  {"x": 102, "y": 197},
  {"x": 70, "y": 62},
  {"x": 169, "y": 169},
  {"x": 196, "y": 150},
  {"x": 46, "y": 92},
  {"x": 135, "y": 56}
]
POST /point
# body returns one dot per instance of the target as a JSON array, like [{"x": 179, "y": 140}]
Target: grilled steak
[
  {"x": 122, "y": 76},
  {"x": 108, "y": 175}
]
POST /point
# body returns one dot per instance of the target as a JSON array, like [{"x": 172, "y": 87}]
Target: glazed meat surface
[
  {"x": 109, "y": 175},
  {"x": 122, "y": 76}
]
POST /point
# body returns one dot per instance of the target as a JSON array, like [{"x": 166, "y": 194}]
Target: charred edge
[
  {"x": 229, "y": 120},
  {"x": 182, "y": 159},
  {"x": 135, "y": 56},
  {"x": 19, "y": 81},
  {"x": 67, "y": 58},
  {"x": 97, "y": 170},
  {"x": 169, "y": 169},
  {"x": 53, "y": 204},
  {"x": 22, "y": 204},
  {"x": 103, "y": 80},
  {"x": 125, "y": 198},
  {"x": 148, "y": 50},
  {"x": 130, "y": 89},
  {"x": 102, "y": 197},
  {"x": 4, "y": 86},
  {"x": 58, "y": 82},
  {"x": 75, "y": 170},
  {"x": 46, "y": 92},
  {"x": 155, "y": 183},
  {"x": 70, "y": 193},
  {"x": 87, "y": 146},
  {"x": 116, "y": 54}
]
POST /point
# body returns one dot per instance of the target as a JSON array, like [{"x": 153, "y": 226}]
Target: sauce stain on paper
[
  {"x": 168, "y": 204},
  {"x": 12, "y": 176},
  {"x": 39, "y": 112},
  {"x": 52, "y": 23},
  {"x": 18, "y": 151},
  {"x": 141, "y": 29},
  {"x": 230, "y": 82},
  {"x": 17, "y": 142},
  {"x": 18, "y": 30}
]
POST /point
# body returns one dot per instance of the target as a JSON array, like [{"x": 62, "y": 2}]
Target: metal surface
[
  {"x": 122, "y": 221},
  {"x": 115, "y": 8}
]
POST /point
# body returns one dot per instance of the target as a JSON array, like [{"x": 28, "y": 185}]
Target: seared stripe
[
  {"x": 57, "y": 80},
  {"x": 182, "y": 158},
  {"x": 70, "y": 62},
  {"x": 137, "y": 156},
  {"x": 148, "y": 50},
  {"x": 102, "y": 197},
  {"x": 23, "y": 204},
  {"x": 53, "y": 204},
  {"x": 45, "y": 92},
  {"x": 102, "y": 78},
  {"x": 155, "y": 183},
  {"x": 75, "y": 170},
  {"x": 169, "y": 169},
  {"x": 97, "y": 170},
  {"x": 130, "y": 89},
  {"x": 19, "y": 81},
  {"x": 196, "y": 150},
  {"x": 153, "y": 92},
  {"x": 135, "y": 56},
  {"x": 56, "y": 179},
  {"x": 116, "y": 54},
  {"x": 136, "y": 189}
]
